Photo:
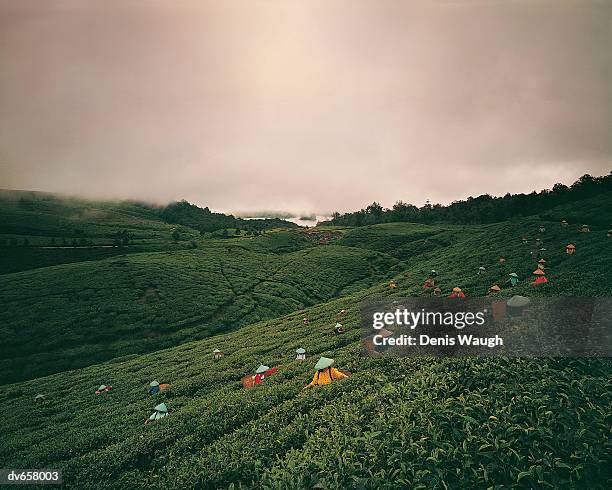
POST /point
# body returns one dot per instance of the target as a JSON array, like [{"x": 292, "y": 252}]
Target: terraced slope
[
  {"x": 74, "y": 315},
  {"x": 39, "y": 230},
  {"x": 414, "y": 423}
]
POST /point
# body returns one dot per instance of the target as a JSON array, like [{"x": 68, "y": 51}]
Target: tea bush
[{"x": 395, "y": 423}]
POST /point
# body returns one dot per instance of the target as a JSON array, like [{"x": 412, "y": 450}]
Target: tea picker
[
  {"x": 103, "y": 389},
  {"x": 160, "y": 412},
  {"x": 301, "y": 354},
  {"x": 540, "y": 277},
  {"x": 514, "y": 278},
  {"x": 325, "y": 373},
  {"x": 155, "y": 387}
]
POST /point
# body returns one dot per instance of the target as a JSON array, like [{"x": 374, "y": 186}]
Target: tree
[
  {"x": 375, "y": 209},
  {"x": 481, "y": 209}
]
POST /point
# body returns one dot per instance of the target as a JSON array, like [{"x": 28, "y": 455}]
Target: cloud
[{"x": 303, "y": 106}]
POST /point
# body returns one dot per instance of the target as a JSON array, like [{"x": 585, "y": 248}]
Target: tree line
[
  {"x": 478, "y": 210},
  {"x": 204, "y": 220}
]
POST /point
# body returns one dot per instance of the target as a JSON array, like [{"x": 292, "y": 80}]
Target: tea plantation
[
  {"x": 395, "y": 423},
  {"x": 72, "y": 315}
]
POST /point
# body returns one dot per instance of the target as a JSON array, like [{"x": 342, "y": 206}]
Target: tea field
[
  {"x": 72, "y": 315},
  {"x": 39, "y": 230},
  {"x": 395, "y": 423}
]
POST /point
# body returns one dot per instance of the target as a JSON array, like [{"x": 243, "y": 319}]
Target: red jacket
[
  {"x": 458, "y": 295},
  {"x": 261, "y": 376},
  {"x": 540, "y": 280}
]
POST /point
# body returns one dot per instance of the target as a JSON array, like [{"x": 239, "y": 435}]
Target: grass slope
[
  {"x": 73, "y": 315},
  {"x": 40, "y": 230},
  {"x": 411, "y": 423}
]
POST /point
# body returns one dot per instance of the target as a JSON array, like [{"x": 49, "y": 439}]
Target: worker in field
[
  {"x": 540, "y": 277},
  {"x": 542, "y": 264},
  {"x": 155, "y": 387},
  {"x": 342, "y": 312},
  {"x": 514, "y": 278},
  {"x": 263, "y": 372},
  {"x": 437, "y": 292},
  {"x": 103, "y": 389},
  {"x": 39, "y": 398},
  {"x": 339, "y": 329},
  {"x": 542, "y": 229},
  {"x": 585, "y": 229},
  {"x": 481, "y": 270},
  {"x": 325, "y": 373},
  {"x": 502, "y": 260},
  {"x": 160, "y": 412},
  {"x": 457, "y": 294},
  {"x": 392, "y": 285},
  {"x": 301, "y": 354},
  {"x": 609, "y": 233},
  {"x": 564, "y": 223},
  {"x": 217, "y": 354},
  {"x": 570, "y": 249},
  {"x": 434, "y": 273},
  {"x": 525, "y": 240},
  {"x": 494, "y": 290},
  {"x": 429, "y": 283},
  {"x": 306, "y": 321}
]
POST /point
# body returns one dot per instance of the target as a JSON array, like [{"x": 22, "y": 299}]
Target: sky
[{"x": 303, "y": 106}]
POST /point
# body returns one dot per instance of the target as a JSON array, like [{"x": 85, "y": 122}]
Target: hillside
[
  {"x": 144, "y": 301},
  {"x": 489, "y": 209},
  {"x": 73, "y": 315},
  {"x": 40, "y": 229},
  {"x": 412, "y": 423},
  {"x": 204, "y": 220}
]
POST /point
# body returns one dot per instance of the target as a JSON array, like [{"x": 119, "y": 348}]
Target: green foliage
[
  {"x": 204, "y": 220},
  {"x": 61, "y": 230},
  {"x": 395, "y": 423},
  {"x": 489, "y": 209},
  {"x": 73, "y": 315},
  {"x": 416, "y": 423}
]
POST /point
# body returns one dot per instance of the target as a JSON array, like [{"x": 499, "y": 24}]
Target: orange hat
[
  {"x": 495, "y": 287},
  {"x": 571, "y": 245},
  {"x": 538, "y": 272},
  {"x": 542, "y": 261},
  {"x": 456, "y": 290}
]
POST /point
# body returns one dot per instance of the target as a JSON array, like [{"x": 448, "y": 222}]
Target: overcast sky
[{"x": 305, "y": 106}]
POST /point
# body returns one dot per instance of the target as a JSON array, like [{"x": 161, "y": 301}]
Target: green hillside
[
  {"x": 40, "y": 229},
  {"x": 410, "y": 423},
  {"x": 73, "y": 315}
]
